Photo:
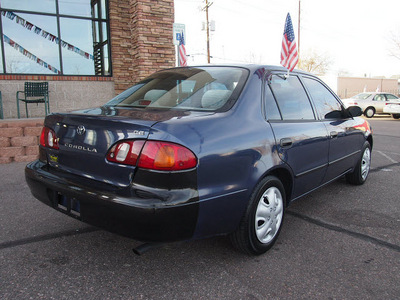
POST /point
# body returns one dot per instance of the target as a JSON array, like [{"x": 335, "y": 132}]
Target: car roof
[{"x": 251, "y": 67}]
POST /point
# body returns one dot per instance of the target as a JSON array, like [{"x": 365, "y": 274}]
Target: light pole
[
  {"x": 298, "y": 31},
  {"x": 208, "y": 4}
]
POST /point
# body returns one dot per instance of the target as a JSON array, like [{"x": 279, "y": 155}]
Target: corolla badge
[
  {"x": 80, "y": 130},
  {"x": 82, "y": 148}
]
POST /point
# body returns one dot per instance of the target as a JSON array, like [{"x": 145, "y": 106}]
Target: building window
[{"x": 55, "y": 37}]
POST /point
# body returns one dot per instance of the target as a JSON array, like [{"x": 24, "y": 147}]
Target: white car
[
  {"x": 393, "y": 109},
  {"x": 371, "y": 103}
]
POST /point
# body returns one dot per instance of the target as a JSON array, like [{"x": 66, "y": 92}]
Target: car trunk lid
[{"x": 84, "y": 141}]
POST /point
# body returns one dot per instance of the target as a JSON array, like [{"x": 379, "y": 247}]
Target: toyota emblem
[{"x": 80, "y": 130}]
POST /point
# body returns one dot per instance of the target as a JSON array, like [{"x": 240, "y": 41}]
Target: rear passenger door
[
  {"x": 379, "y": 102},
  {"x": 301, "y": 140},
  {"x": 344, "y": 141}
]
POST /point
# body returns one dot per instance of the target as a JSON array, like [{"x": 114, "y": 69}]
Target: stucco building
[{"x": 350, "y": 86}]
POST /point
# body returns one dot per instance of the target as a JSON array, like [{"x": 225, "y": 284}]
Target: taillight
[
  {"x": 155, "y": 155},
  {"x": 126, "y": 152},
  {"x": 48, "y": 138},
  {"x": 166, "y": 156}
]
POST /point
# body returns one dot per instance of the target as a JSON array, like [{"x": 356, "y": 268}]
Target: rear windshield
[{"x": 196, "y": 88}]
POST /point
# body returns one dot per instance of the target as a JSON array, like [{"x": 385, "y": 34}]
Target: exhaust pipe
[{"x": 143, "y": 248}]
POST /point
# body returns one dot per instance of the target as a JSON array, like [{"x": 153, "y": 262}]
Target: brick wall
[
  {"x": 19, "y": 140},
  {"x": 141, "y": 39}
]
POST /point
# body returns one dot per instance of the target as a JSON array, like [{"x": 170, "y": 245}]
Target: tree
[{"x": 314, "y": 62}]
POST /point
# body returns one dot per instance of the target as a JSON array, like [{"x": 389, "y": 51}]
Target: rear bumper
[{"x": 137, "y": 211}]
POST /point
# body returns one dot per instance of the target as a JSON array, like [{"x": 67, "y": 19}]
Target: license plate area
[{"x": 68, "y": 205}]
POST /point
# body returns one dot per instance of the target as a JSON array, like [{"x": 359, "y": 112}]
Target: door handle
[
  {"x": 286, "y": 143},
  {"x": 334, "y": 134}
]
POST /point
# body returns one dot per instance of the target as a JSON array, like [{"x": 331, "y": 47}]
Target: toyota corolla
[{"x": 196, "y": 152}]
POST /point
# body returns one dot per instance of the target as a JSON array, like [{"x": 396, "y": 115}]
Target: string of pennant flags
[
  {"x": 39, "y": 31},
  {"x": 31, "y": 56}
]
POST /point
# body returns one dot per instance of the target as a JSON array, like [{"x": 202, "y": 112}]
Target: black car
[{"x": 196, "y": 152}]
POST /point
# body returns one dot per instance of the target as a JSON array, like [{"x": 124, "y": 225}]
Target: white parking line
[
  {"x": 394, "y": 153},
  {"x": 388, "y": 157}
]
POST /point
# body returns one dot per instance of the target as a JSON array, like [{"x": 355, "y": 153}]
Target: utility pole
[
  {"x": 208, "y": 4},
  {"x": 298, "y": 31}
]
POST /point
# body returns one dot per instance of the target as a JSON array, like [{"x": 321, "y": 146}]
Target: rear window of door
[
  {"x": 291, "y": 98},
  {"x": 379, "y": 97}
]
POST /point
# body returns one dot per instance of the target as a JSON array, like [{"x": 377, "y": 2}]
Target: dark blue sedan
[{"x": 196, "y": 152}]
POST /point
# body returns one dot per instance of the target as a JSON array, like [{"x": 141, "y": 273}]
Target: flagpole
[
  {"x": 298, "y": 31},
  {"x": 177, "y": 55}
]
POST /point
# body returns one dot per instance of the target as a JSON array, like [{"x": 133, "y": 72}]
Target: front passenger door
[{"x": 345, "y": 141}]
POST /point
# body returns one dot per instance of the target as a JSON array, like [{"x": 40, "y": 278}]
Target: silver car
[
  {"x": 371, "y": 103},
  {"x": 393, "y": 109}
]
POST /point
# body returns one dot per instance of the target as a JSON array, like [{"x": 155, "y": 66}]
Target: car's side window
[
  {"x": 271, "y": 108},
  {"x": 291, "y": 97},
  {"x": 379, "y": 97},
  {"x": 390, "y": 96},
  {"x": 327, "y": 105}
]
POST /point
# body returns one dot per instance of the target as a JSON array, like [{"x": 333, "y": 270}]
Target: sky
[{"x": 356, "y": 35}]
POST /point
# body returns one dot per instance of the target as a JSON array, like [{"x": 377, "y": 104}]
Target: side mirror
[
  {"x": 354, "y": 111},
  {"x": 335, "y": 114}
]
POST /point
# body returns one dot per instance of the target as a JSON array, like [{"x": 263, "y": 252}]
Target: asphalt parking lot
[{"x": 340, "y": 242}]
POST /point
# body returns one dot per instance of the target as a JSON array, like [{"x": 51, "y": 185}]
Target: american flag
[
  {"x": 289, "y": 55},
  {"x": 182, "y": 52}
]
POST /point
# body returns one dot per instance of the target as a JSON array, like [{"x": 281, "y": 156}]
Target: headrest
[
  {"x": 215, "y": 98},
  {"x": 153, "y": 95}
]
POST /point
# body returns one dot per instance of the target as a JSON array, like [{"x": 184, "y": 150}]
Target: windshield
[
  {"x": 361, "y": 96},
  {"x": 197, "y": 88}
]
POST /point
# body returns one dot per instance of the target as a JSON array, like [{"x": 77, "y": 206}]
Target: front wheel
[
  {"x": 361, "y": 171},
  {"x": 396, "y": 116},
  {"x": 261, "y": 225}
]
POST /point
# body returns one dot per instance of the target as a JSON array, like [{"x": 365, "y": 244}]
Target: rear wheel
[
  {"x": 369, "y": 112},
  {"x": 261, "y": 225},
  {"x": 396, "y": 116},
  {"x": 361, "y": 171}
]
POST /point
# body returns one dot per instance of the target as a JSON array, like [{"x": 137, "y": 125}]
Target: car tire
[
  {"x": 396, "y": 116},
  {"x": 361, "y": 171},
  {"x": 369, "y": 112},
  {"x": 262, "y": 222}
]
